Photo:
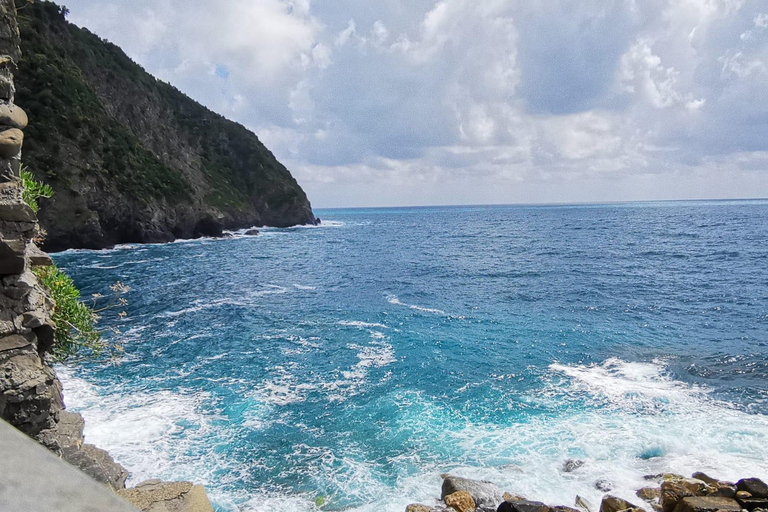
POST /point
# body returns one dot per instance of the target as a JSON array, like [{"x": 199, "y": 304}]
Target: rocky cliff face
[{"x": 131, "y": 158}]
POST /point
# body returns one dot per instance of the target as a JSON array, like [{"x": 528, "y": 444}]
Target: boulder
[
  {"x": 614, "y": 504},
  {"x": 704, "y": 478},
  {"x": 572, "y": 465},
  {"x": 583, "y": 504},
  {"x": 460, "y": 501},
  {"x": 604, "y": 485},
  {"x": 97, "y": 464},
  {"x": 252, "y": 232},
  {"x": 10, "y": 143},
  {"x": 484, "y": 493},
  {"x": 523, "y": 506},
  {"x": 157, "y": 496},
  {"x": 756, "y": 487},
  {"x": 695, "y": 486},
  {"x": 13, "y": 116},
  {"x": 649, "y": 493},
  {"x": 707, "y": 504},
  {"x": 671, "y": 494}
]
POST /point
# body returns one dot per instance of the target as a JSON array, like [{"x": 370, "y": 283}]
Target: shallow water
[{"x": 359, "y": 360}]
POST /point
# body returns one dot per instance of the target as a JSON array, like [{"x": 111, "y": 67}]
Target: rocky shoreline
[{"x": 666, "y": 492}]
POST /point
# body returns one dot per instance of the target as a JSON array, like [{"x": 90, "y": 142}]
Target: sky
[{"x": 417, "y": 102}]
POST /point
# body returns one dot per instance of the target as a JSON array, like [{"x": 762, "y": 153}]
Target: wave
[
  {"x": 356, "y": 323},
  {"x": 394, "y": 300}
]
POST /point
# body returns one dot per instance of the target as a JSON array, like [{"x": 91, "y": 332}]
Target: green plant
[
  {"x": 76, "y": 333},
  {"x": 33, "y": 189}
]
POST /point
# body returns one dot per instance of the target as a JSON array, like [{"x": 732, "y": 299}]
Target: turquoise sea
[{"x": 358, "y": 360}]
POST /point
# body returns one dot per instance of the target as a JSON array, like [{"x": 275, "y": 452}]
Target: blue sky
[{"x": 400, "y": 102}]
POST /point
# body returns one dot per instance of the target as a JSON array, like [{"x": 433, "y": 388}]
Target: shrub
[{"x": 33, "y": 189}]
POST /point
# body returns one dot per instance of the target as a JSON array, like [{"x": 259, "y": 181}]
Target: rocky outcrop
[
  {"x": 30, "y": 392},
  {"x": 700, "y": 493},
  {"x": 131, "y": 158}
]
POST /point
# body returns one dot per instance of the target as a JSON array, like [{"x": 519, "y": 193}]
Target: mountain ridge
[{"x": 130, "y": 157}]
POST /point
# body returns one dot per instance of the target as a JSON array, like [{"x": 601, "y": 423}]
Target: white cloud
[{"x": 473, "y": 100}]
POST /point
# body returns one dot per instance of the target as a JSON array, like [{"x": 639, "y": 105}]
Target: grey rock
[
  {"x": 36, "y": 257},
  {"x": 704, "y": 478},
  {"x": 583, "y": 504},
  {"x": 604, "y": 485},
  {"x": 10, "y": 142},
  {"x": 13, "y": 116},
  {"x": 572, "y": 465},
  {"x": 16, "y": 212},
  {"x": 12, "y": 257},
  {"x": 485, "y": 493},
  {"x": 159, "y": 496},
  {"x": 97, "y": 464}
]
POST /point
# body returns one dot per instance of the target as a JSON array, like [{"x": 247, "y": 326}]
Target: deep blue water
[{"x": 359, "y": 360}]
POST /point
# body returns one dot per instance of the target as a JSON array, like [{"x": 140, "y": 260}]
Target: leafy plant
[
  {"x": 76, "y": 333},
  {"x": 33, "y": 189}
]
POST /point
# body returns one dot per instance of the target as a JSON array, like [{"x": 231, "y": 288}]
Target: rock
[
  {"x": 10, "y": 143},
  {"x": 460, "y": 501},
  {"x": 38, "y": 258},
  {"x": 484, "y": 493},
  {"x": 70, "y": 430},
  {"x": 97, "y": 464},
  {"x": 13, "y": 116},
  {"x": 583, "y": 504},
  {"x": 741, "y": 495},
  {"x": 614, "y": 504},
  {"x": 604, "y": 485},
  {"x": 14, "y": 342},
  {"x": 704, "y": 478},
  {"x": 756, "y": 487},
  {"x": 753, "y": 503},
  {"x": 671, "y": 494},
  {"x": 523, "y": 506},
  {"x": 415, "y": 507},
  {"x": 252, "y": 232},
  {"x": 16, "y": 212},
  {"x": 33, "y": 319},
  {"x": 156, "y": 496},
  {"x": 12, "y": 257},
  {"x": 513, "y": 497},
  {"x": 561, "y": 508},
  {"x": 572, "y": 465},
  {"x": 707, "y": 504},
  {"x": 725, "y": 490},
  {"x": 649, "y": 493}
]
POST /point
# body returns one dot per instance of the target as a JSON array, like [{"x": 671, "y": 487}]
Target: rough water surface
[{"x": 358, "y": 360}]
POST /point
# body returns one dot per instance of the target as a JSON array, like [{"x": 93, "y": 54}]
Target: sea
[{"x": 348, "y": 366}]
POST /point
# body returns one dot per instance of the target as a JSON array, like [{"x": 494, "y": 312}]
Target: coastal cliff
[
  {"x": 30, "y": 392},
  {"x": 132, "y": 159}
]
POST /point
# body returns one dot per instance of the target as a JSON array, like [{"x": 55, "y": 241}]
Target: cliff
[{"x": 130, "y": 158}]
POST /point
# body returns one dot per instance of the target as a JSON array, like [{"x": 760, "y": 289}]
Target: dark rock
[
  {"x": 756, "y": 487},
  {"x": 614, "y": 504},
  {"x": 572, "y": 465},
  {"x": 484, "y": 493},
  {"x": 562, "y": 508},
  {"x": 16, "y": 212},
  {"x": 522, "y": 506},
  {"x": 707, "y": 504},
  {"x": 604, "y": 485},
  {"x": 753, "y": 503},
  {"x": 252, "y": 232},
  {"x": 12, "y": 257},
  {"x": 97, "y": 464},
  {"x": 724, "y": 490}
]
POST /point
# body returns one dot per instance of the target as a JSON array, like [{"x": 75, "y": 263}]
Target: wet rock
[
  {"x": 97, "y": 464},
  {"x": 13, "y": 116},
  {"x": 604, "y": 485},
  {"x": 756, "y": 487},
  {"x": 671, "y": 494},
  {"x": 156, "y": 496},
  {"x": 649, "y": 493},
  {"x": 707, "y": 504},
  {"x": 10, "y": 143},
  {"x": 572, "y": 465},
  {"x": 614, "y": 504},
  {"x": 484, "y": 493},
  {"x": 460, "y": 501},
  {"x": 252, "y": 232},
  {"x": 513, "y": 497},
  {"x": 583, "y": 504}
]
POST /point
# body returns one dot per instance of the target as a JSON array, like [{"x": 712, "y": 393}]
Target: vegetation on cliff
[{"x": 130, "y": 157}]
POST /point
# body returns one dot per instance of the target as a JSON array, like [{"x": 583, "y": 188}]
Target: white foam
[
  {"x": 394, "y": 300},
  {"x": 356, "y": 323},
  {"x": 304, "y": 287}
]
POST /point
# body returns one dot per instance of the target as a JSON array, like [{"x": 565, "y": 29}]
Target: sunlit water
[{"x": 359, "y": 360}]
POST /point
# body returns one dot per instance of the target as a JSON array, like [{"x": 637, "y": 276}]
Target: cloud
[{"x": 456, "y": 101}]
